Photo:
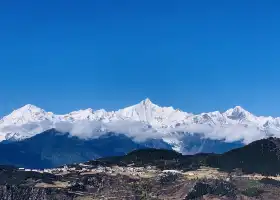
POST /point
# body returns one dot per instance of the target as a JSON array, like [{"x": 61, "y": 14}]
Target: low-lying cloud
[
  {"x": 94, "y": 129},
  {"x": 139, "y": 131}
]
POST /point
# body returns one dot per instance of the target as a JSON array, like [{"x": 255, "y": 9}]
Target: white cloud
[
  {"x": 92, "y": 129},
  {"x": 230, "y": 133},
  {"x": 140, "y": 131}
]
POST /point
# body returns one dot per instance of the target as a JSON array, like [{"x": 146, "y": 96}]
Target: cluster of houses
[
  {"x": 203, "y": 172},
  {"x": 51, "y": 171},
  {"x": 86, "y": 168}
]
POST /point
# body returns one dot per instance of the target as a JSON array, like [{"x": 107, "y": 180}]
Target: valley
[{"x": 152, "y": 174}]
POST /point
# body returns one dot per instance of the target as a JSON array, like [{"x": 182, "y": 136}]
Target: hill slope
[{"x": 262, "y": 156}]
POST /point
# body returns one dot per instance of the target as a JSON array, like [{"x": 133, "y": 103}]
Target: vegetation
[
  {"x": 266, "y": 159},
  {"x": 252, "y": 192},
  {"x": 214, "y": 187}
]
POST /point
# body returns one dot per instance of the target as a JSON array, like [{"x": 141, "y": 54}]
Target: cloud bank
[
  {"x": 139, "y": 131},
  {"x": 93, "y": 129}
]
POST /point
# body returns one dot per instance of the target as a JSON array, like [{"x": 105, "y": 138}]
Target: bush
[{"x": 252, "y": 192}]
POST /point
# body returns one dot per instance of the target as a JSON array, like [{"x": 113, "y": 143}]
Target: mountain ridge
[{"x": 30, "y": 120}]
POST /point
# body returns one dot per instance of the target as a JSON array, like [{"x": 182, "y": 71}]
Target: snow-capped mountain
[
  {"x": 157, "y": 117},
  {"x": 143, "y": 119},
  {"x": 26, "y": 114}
]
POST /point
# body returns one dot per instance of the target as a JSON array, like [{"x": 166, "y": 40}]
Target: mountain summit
[
  {"x": 25, "y": 115},
  {"x": 238, "y": 113}
]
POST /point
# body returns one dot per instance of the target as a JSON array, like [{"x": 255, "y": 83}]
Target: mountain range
[
  {"x": 34, "y": 138},
  {"x": 142, "y": 121}
]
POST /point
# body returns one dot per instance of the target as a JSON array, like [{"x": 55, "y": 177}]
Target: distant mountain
[
  {"x": 196, "y": 143},
  {"x": 233, "y": 125},
  {"x": 52, "y": 149}
]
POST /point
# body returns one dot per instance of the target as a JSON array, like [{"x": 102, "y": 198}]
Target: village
[
  {"x": 146, "y": 172},
  {"x": 83, "y": 169}
]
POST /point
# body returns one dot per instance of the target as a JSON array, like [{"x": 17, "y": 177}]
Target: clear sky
[{"x": 200, "y": 55}]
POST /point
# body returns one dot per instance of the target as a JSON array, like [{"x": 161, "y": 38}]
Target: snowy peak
[
  {"x": 29, "y": 108},
  {"x": 26, "y": 114},
  {"x": 146, "y": 105},
  {"x": 152, "y": 114},
  {"x": 236, "y": 109},
  {"x": 88, "y": 114},
  {"x": 238, "y": 113},
  {"x": 80, "y": 115},
  {"x": 146, "y": 101},
  {"x": 143, "y": 111}
]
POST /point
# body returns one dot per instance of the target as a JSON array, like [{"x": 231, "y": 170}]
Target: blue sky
[{"x": 198, "y": 56}]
